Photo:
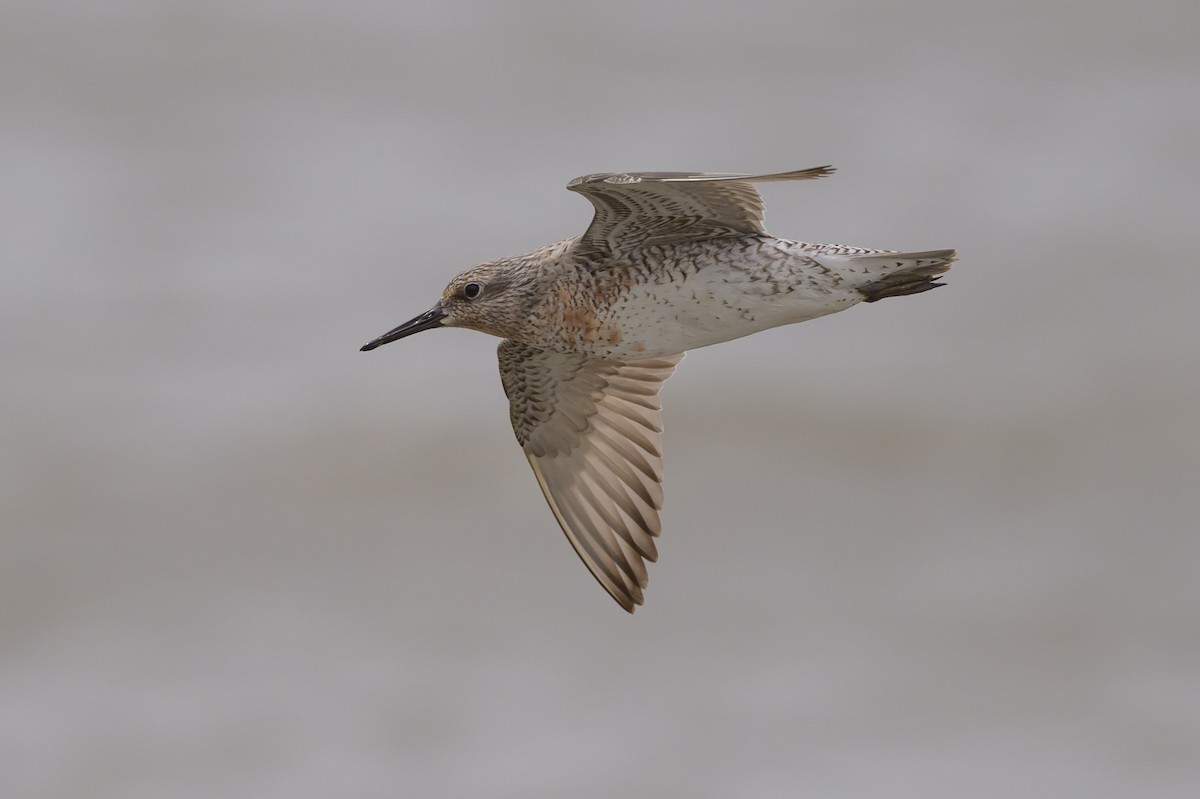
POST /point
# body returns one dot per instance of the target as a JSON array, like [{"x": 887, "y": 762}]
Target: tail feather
[{"x": 896, "y": 274}]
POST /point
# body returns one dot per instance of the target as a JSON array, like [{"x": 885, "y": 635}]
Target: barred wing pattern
[
  {"x": 592, "y": 431},
  {"x": 640, "y": 209}
]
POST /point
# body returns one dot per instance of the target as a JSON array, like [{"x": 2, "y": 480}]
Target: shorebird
[{"x": 594, "y": 325}]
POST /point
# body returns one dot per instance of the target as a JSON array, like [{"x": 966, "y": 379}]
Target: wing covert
[{"x": 640, "y": 209}]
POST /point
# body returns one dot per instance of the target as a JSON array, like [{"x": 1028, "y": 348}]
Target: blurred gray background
[{"x": 940, "y": 546}]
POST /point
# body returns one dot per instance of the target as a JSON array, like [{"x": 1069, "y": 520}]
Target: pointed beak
[{"x": 426, "y": 321}]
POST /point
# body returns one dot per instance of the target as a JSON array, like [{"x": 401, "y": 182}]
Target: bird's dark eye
[{"x": 472, "y": 290}]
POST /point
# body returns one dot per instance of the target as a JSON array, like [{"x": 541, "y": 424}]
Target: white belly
[{"x": 719, "y": 304}]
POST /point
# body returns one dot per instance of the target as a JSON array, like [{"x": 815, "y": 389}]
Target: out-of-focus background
[{"x": 940, "y": 546}]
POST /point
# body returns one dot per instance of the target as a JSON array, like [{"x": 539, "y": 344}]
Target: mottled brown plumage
[{"x": 593, "y": 326}]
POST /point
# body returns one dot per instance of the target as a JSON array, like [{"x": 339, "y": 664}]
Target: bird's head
[{"x": 486, "y": 298}]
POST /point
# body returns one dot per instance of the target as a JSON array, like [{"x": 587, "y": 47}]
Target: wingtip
[
  {"x": 629, "y": 601},
  {"x": 815, "y": 172},
  {"x": 797, "y": 174}
]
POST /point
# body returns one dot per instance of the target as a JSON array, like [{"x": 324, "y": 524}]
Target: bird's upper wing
[
  {"x": 592, "y": 431},
  {"x": 644, "y": 208}
]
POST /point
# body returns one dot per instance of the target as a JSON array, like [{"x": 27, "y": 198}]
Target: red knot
[{"x": 594, "y": 325}]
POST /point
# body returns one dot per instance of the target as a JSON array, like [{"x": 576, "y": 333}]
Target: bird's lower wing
[{"x": 592, "y": 431}]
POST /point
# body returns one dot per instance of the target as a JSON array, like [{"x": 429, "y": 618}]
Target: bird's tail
[{"x": 894, "y": 274}]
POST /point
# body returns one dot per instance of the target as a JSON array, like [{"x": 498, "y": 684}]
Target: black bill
[{"x": 426, "y": 321}]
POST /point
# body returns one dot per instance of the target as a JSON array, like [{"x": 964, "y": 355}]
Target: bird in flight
[{"x": 594, "y": 325}]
